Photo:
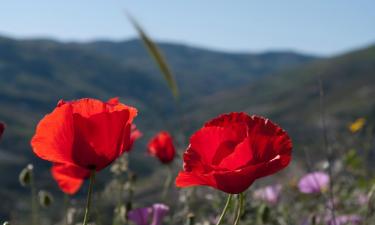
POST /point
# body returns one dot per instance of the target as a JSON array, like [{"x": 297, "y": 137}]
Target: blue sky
[{"x": 324, "y": 27}]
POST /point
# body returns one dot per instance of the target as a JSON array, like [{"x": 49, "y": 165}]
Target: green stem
[
  {"x": 239, "y": 208},
  {"x": 129, "y": 203},
  {"x": 66, "y": 207},
  {"x": 89, "y": 194},
  {"x": 225, "y": 209},
  {"x": 168, "y": 182},
  {"x": 117, "y": 211}
]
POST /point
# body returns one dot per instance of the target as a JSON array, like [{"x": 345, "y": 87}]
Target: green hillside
[{"x": 291, "y": 98}]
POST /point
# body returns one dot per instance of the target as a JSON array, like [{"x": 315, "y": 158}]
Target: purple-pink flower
[
  {"x": 346, "y": 220},
  {"x": 159, "y": 212},
  {"x": 140, "y": 216},
  {"x": 314, "y": 182},
  {"x": 339, "y": 220},
  {"x": 153, "y": 215},
  {"x": 270, "y": 194},
  {"x": 362, "y": 198}
]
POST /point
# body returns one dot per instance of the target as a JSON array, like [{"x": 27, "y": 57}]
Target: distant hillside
[
  {"x": 35, "y": 74},
  {"x": 291, "y": 98},
  {"x": 200, "y": 72}
]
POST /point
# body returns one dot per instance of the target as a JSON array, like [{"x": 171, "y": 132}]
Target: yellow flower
[{"x": 357, "y": 125}]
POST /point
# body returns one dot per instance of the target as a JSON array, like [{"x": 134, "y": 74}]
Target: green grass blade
[{"x": 158, "y": 57}]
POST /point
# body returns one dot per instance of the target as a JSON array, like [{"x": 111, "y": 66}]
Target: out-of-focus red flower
[
  {"x": 2, "y": 128},
  {"x": 86, "y": 133},
  {"x": 233, "y": 150},
  {"x": 69, "y": 177},
  {"x": 134, "y": 135},
  {"x": 161, "y": 146}
]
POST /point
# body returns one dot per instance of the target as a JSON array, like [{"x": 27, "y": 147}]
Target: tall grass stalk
[{"x": 327, "y": 148}]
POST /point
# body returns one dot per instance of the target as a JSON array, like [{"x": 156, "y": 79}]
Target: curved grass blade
[{"x": 158, "y": 57}]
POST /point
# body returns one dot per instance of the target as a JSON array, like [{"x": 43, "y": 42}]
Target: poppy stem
[
  {"x": 225, "y": 209},
  {"x": 168, "y": 181},
  {"x": 129, "y": 203},
  {"x": 239, "y": 208},
  {"x": 89, "y": 194},
  {"x": 66, "y": 207}
]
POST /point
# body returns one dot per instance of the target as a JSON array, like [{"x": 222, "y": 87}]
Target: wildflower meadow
[{"x": 282, "y": 155}]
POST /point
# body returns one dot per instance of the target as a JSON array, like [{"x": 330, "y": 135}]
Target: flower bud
[
  {"x": 190, "y": 219},
  {"x": 263, "y": 214},
  {"x": 25, "y": 175},
  {"x": 45, "y": 198}
]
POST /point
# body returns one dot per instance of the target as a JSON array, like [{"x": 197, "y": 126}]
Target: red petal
[
  {"x": 237, "y": 181},
  {"x": 240, "y": 157},
  {"x": 212, "y": 144},
  {"x": 53, "y": 138},
  {"x": 193, "y": 162},
  {"x": 135, "y": 134},
  {"x": 186, "y": 179},
  {"x": 69, "y": 178},
  {"x": 87, "y": 107},
  {"x": 228, "y": 119},
  {"x": 100, "y": 139},
  {"x": 267, "y": 140},
  {"x": 113, "y": 101}
]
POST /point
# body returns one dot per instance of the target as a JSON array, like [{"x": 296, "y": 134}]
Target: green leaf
[{"x": 158, "y": 57}]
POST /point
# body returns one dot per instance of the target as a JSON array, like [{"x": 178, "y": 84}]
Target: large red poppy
[
  {"x": 70, "y": 178},
  {"x": 231, "y": 151},
  {"x": 86, "y": 133},
  {"x": 2, "y": 128},
  {"x": 161, "y": 146}
]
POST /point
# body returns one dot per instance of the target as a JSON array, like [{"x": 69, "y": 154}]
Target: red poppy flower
[
  {"x": 231, "y": 151},
  {"x": 161, "y": 146},
  {"x": 134, "y": 135},
  {"x": 2, "y": 128},
  {"x": 86, "y": 133},
  {"x": 69, "y": 177}
]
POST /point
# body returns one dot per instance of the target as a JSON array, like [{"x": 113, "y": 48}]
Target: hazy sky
[{"x": 314, "y": 26}]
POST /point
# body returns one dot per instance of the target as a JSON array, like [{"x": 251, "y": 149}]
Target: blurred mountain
[
  {"x": 201, "y": 72},
  {"x": 291, "y": 97}
]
